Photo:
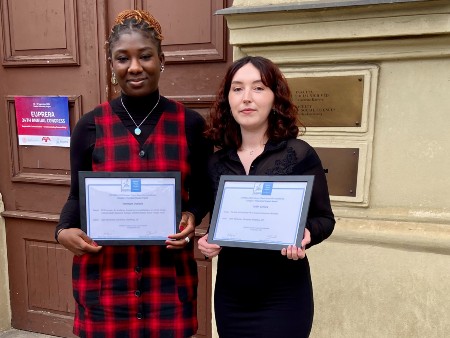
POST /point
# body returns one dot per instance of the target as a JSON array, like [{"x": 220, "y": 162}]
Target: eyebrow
[
  {"x": 143, "y": 49},
  {"x": 240, "y": 82}
]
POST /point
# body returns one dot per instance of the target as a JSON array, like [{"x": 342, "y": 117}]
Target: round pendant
[{"x": 137, "y": 131}]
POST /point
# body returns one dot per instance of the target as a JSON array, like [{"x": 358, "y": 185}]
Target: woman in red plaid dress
[{"x": 137, "y": 291}]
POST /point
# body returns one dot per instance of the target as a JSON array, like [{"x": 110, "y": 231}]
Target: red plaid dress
[{"x": 137, "y": 291}]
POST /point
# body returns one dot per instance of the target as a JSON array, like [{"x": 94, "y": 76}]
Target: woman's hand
[
  {"x": 292, "y": 252},
  {"x": 77, "y": 241},
  {"x": 209, "y": 250},
  {"x": 187, "y": 228}
]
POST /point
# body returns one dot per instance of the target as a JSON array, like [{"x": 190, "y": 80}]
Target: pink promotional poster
[{"x": 43, "y": 120}]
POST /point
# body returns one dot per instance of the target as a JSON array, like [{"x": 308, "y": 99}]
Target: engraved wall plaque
[{"x": 329, "y": 101}]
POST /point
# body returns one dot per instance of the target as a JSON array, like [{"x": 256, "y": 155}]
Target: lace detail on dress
[{"x": 284, "y": 166}]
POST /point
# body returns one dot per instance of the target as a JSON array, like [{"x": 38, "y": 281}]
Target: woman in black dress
[{"x": 263, "y": 293}]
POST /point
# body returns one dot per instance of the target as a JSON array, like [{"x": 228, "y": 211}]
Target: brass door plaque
[
  {"x": 341, "y": 169},
  {"x": 329, "y": 101}
]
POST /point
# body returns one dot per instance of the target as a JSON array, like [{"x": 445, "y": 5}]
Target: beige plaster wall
[
  {"x": 411, "y": 141},
  {"x": 390, "y": 284},
  {"x": 375, "y": 278},
  {"x": 409, "y": 178},
  {"x": 385, "y": 270},
  {"x": 5, "y": 310}
]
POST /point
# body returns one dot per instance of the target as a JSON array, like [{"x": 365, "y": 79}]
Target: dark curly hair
[
  {"x": 135, "y": 20},
  {"x": 284, "y": 124}
]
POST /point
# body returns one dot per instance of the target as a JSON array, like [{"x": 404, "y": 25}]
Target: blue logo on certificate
[
  {"x": 125, "y": 185},
  {"x": 257, "y": 188},
  {"x": 136, "y": 185},
  {"x": 267, "y": 188},
  {"x": 263, "y": 188}
]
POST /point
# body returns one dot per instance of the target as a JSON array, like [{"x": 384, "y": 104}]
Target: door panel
[
  {"x": 39, "y": 164},
  {"x": 40, "y": 277},
  {"x": 54, "y": 47},
  {"x": 192, "y": 33},
  {"x": 40, "y": 33}
]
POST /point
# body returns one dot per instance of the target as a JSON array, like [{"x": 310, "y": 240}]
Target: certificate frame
[
  {"x": 147, "y": 204},
  {"x": 248, "y": 219}
]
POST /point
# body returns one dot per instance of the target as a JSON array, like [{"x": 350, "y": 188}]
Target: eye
[
  {"x": 259, "y": 88},
  {"x": 146, "y": 57},
  {"x": 236, "y": 89},
  {"x": 122, "y": 59}
]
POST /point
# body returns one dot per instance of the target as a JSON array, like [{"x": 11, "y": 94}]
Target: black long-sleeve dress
[
  {"x": 138, "y": 291},
  {"x": 83, "y": 143},
  {"x": 260, "y": 293}
]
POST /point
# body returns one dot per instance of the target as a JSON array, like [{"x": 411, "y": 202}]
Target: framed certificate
[
  {"x": 261, "y": 212},
  {"x": 130, "y": 208}
]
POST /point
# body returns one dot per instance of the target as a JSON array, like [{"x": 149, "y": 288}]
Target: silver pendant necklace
[
  {"x": 138, "y": 131},
  {"x": 252, "y": 151}
]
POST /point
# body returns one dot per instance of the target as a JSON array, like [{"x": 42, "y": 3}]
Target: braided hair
[{"x": 135, "y": 20}]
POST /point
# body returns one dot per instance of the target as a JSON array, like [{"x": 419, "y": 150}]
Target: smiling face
[
  {"x": 250, "y": 100},
  {"x": 136, "y": 62}
]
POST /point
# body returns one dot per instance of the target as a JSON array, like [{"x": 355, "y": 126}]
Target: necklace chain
[
  {"x": 252, "y": 151},
  {"x": 137, "y": 131}
]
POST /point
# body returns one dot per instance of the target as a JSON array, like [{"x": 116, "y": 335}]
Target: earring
[
  {"x": 114, "y": 79},
  {"x": 162, "y": 68}
]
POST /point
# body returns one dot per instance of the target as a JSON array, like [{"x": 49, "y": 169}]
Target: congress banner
[{"x": 43, "y": 120}]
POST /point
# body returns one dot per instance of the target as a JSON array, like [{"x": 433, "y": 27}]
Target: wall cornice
[
  {"x": 423, "y": 47},
  {"x": 242, "y": 6},
  {"x": 400, "y": 235},
  {"x": 388, "y": 21}
]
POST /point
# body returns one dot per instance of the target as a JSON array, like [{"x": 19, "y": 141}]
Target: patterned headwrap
[{"x": 139, "y": 16}]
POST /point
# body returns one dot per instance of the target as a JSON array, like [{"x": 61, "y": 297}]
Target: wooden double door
[{"x": 57, "y": 47}]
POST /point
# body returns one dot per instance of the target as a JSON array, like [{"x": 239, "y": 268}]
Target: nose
[
  {"x": 247, "y": 96},
  {"x": 135, "y": 66}
]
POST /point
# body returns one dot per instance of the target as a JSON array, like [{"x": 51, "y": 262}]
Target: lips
[
  {"x": 247, "y": 110},
  {"x": 137, "y": 80}
]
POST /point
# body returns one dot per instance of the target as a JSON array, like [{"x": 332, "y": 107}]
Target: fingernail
[{"x": 182, "y": 227}]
